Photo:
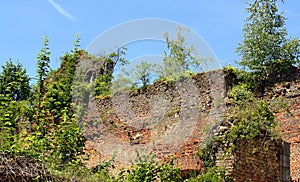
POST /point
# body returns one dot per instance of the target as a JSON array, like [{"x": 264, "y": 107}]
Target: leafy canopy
[
  {"x": 266, "y": 51},
  {"x": 179, "y": 58},
  {"x": 14, "y": 81},
  {"x": 143, "y": 72}
]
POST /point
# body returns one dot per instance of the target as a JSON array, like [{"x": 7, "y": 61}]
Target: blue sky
[{"x": 24, "y": 23}]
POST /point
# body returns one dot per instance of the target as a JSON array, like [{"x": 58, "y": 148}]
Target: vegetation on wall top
[{"x": 39, "y": 123}]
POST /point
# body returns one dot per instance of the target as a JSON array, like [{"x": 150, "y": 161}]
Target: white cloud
[{"x": 61, "y": 10}]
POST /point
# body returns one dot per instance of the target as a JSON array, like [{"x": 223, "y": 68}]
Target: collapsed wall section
[
  {"x": 165, "y": 119},
  {"x": 169, "y": 118}
]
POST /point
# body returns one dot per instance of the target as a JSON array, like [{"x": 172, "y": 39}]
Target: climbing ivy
[{"x": 247, "y": 118}]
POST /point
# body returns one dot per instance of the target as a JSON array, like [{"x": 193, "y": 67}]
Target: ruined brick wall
[
  {"x": 259, "y": 160},
  {"x": 166, "y": 119},
  {"x": 289, "y": 121},
  {"x": 286, "y": 106},
  {"x": 161, "y": 115}
]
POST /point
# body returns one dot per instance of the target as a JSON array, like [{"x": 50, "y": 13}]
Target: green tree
[
  {"x": 179, "y": 58},
  {"x": 115, "y": 59},
  {"x": 56, "y": 133},
  {"x": 143, "y": 72},
  {"x": 14, "y": 81},
  {"x": 14, "y": 110},
  {"x": 122, "y": 82},
  {"x": 265, "y": 50}
]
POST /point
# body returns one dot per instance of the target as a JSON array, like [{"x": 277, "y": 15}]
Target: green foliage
[
  {"x": 266, "y": 51},
  {"x": 251, "y": 116},
  {"x": 241, "y": 93},
  {"x": 121, "y": 83},
  {"x": 14, "y": 109},
  {"x": 179, "y": 61},
  {"x": 53, "y": 135},
  {"x": 76, "y": 172},
  {"x": 149, "y": 170},
  {"x": 143, "y": 72},
  {"x": 231, "y": 70},
  {"x": 48, "y": 130},
  {"x": 58, "y": 137},
  {"x": 115, "y": 59},
  {"x": 13, "y": 112},
  {"x": 8, "y": 124},
  {"x": 14, "y": 81},
  {"x": 66, "y": 140},
  {"x": 248, "y": 118},
  {"x": 57, "y": 144},
  {"x": 279, "y": 104},
  {"x": 43, "y": 65},
  {"x": 103, "y": 84},
  {"x": 214, "y": 174},
  {"x": 179, "y": 58}
]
